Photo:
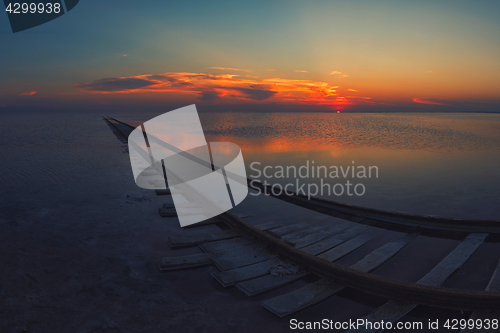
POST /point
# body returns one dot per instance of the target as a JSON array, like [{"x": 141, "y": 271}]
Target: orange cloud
[
  {"x": 28, "y": 93},
  {"x": 427, "y": 101},
  {"x": 354, "y": 90},
  {"x": 217, "y": 87},
  {"x": 300, "y": 71},
  {"x": 230, "y": 69},
  {"x": 341, "y": 76}
]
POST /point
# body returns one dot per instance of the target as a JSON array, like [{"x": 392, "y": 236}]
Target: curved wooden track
[{"x": 269, "y": 243}]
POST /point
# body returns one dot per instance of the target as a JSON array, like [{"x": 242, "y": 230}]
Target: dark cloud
[
  {"x": 115, "y": 84},
  {"x": 208, "y": 96},
  {"x": 256, "y": 94},
  {"x": 161, "y": 77},
  {"x": 457, "y": 105}
]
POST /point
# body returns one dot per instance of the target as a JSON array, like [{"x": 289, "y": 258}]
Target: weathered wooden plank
[
  {"x": 270, "y": 281},
  {"x": 394, "y": 310},
  {"x": 304, "y": 297},
  {"x": 301, "y": 298},
  {"x": 453, "y": 261},
  {"x": 231, "y": 277},
  {"x": 250, "y": 248},
  {"x": 227, "y": 262},
  {"x": 183, "y": 241},
  {"x": 229, "y": 244},
  {"x": 494, "y": 287},
  {"x": 380, "y": 255},
  {"x": 494, "y": 284},
  {"x": 297, "y": 235},
  {"x": 268, "y": 225},
  {"x": 335, "y": 240},
  {"x": 182, "y": 262},
  {"x": 347, "y": 247},
  {"x": 281, "y": 231},
  {"x": 225, "y": 245},
  {"x": 321, "y": 235}
]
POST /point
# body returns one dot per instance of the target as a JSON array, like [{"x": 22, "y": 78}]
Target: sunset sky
[{"x": 260, "y": 55}]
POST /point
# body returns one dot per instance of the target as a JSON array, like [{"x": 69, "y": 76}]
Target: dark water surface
[{"x": 435, "y": 164}]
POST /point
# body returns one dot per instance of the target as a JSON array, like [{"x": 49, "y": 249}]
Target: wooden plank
[
  {"x": 228, "y": 244},
  {"x": 251, "y": 248},
  {"x": 453, "y": 261},
  {"x": 301, "y": 298},
  {"x": 227, "y": 262},
  {"x": 231, "y": 277},
  {"x": 380, "y": 255},
  {"x": 183, "y": 262},
  {"x": 278, "y": 232},
  {"x": 297, "y": 235},
  {"x": 268, "y": 225},
  {"x": 347, "y": 247},
  {"x": 494, "y": 284},
  {"x": 494, "y": 287},
  {"x": 224, "y": 245},
  {"x": 320, "y": 235},
  {"x": 394, "y": 310},
  {"x": 268, "y": 282},
  {"x": 184, "y": 241},
  {"x": 335, "y": 240}
]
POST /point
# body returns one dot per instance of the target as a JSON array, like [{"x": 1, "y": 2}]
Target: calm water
[{"x": 436, "y": 164}]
